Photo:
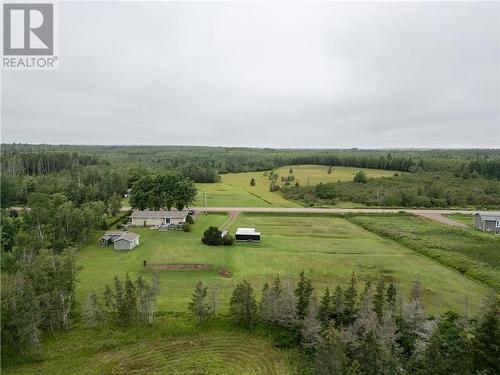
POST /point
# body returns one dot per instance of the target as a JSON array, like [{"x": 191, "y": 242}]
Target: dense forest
[
  {"x": 413, "y": 190},
  {"x": 89, "y": 173}
]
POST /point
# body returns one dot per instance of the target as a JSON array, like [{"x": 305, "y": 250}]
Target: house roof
[
  {"x": 172, "y": 214},
  {"x": 114, "y": 233},
  {"x": 128, "y": 236},
  {"x": 493, "y": 216},
  {"x": 111, "y": 234}
]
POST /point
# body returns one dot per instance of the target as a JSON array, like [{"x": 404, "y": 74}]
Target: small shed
[
  {"x": 127, "y": 242},
  {"x": 110, "y": 237},
  {"x": 120, "y": 240},
  {"x": 487, "y": 221}
]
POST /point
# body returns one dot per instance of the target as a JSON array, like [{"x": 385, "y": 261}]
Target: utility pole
[{"x": 205, "y": 199}]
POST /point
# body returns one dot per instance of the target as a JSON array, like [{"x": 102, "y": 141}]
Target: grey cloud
[{"x": 265, "y": 74}]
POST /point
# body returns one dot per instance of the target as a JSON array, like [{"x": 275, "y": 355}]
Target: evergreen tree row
[{"x": 372, "y": 331}]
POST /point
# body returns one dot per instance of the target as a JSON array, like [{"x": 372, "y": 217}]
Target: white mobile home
[{"x": 157, "y": 218}]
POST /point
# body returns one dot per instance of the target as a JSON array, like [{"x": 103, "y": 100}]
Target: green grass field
[
  {"x": 173, "y": 345},
  {"x": 308, "y": 175},
  {"x": 327, "y": 248},
  {"x": 462, "y": 218},
  {"x": 234, "y": 190},
  {"x": 472, "y": 252},
  {"x": 225, "y": 195}
]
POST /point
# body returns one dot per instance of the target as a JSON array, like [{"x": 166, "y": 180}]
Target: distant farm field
[
  {"x": 173, "y": 345},
  {"x": 329, "y": 249},
  {"x": 226, "y": 195},
  {"x": 235, "y": 190}
]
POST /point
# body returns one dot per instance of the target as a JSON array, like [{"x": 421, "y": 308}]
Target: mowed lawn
[
  {"x": 225, "y": 195},
  {"x": 172, "y": 345},
  {"x": 235, "y": 190},
  {"x": 328, "y": 249},
  {"x": 462, "y": 218}
]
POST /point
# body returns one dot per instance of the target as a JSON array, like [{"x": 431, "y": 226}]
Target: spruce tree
[
  {"x": 331, "y": 357},
  {"x": 415, "y": 327},
  {"x": 198, "y": 305},
  {"x": 243, "y": 307},
  {"x": 303, "y": 293},
  {"x": 325, "y": 311},
  {"x": 487, "y": 339},
  {"x": 310, "y": 331},
  {"x": 120, "y": 305},
  {"x": 130, "y": 301},
  {"x": 338, "y": 305},
  {"x": 369, "y": 355},
  {"x": 350, "y": 301},
  {"x": 379, "y": 298},
  {"x": 287, "y": 301},
  {"x": 391, "y": 354},
  {"x": 391, "y": 293},
  {"x": 391, "y": 296},
  {"x": 449, "y": 350},
  {"x": 275, "y": 299},
  {"x": 354, "y": 369}
]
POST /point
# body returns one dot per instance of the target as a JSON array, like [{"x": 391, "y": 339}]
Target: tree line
[
  {"x": 42, "y": 163},
  {"x": 127, "y": 303},
  {"x": 403, "y": 190},
  {"x": 372, "y": 331}
]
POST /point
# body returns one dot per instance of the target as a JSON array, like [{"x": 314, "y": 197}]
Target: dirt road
[{"x": 436, "y": 215}]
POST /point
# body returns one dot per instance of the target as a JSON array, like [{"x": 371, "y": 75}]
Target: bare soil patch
[
  {"x": 180, "y": 267},
  {"x": 224, "y": 272}
]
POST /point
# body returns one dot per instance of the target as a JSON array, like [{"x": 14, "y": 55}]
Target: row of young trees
[
  {"x": 127, "y": 303},
  {"x": 370, "y": 332}
]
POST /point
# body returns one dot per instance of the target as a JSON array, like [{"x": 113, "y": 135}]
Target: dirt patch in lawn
[
  {"x": 224, "y": 272},
  {"x": 180, "y": 267}
]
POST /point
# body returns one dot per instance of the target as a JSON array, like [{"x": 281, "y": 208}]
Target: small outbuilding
[
  {"x": 156, "y": 218},
  {"x": 109, "y": 237},
  {"x": 120, "y": 240},
  {"x": 487, "y": 221},
  {"x": 247, "y": 235}
]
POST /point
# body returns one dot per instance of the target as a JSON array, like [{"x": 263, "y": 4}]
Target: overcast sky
[{"x": 265, "y": 75}]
